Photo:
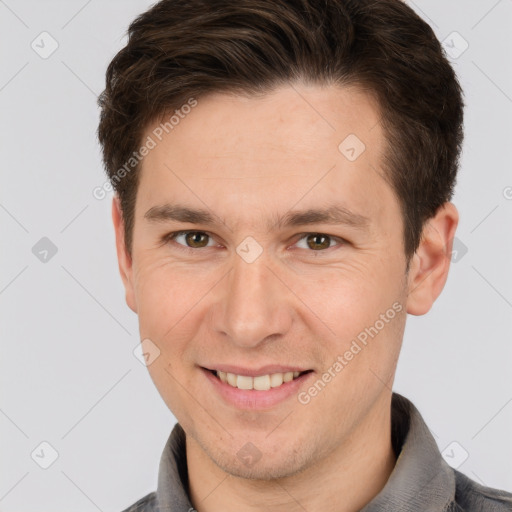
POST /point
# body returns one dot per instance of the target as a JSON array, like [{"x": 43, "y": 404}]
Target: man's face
[{"x": 253, "y": 296}]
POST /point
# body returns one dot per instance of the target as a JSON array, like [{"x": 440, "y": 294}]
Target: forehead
[{"x": 251, "y": 158}]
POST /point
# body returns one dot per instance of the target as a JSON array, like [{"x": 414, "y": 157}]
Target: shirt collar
[{"x": 421, "y": 479}]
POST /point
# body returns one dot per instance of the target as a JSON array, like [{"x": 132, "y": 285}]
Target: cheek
[
  {"x": 169, "y": 315},
  {"x": 347, "y": 297},
  {"x": 363, "y": 362},
  {"x": 364, "y": 308},
  {"x": 167, "y": 297}
]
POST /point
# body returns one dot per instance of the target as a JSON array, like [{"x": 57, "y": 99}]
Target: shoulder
[
  {"x": 145, "y": 504},
  {"x": 470, "y": 496}
]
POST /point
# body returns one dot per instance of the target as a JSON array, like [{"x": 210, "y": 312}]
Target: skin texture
[{"x": 247, "y": 161}]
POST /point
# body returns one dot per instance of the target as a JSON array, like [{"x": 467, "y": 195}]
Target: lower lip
[{"x": 252, "y": 399}]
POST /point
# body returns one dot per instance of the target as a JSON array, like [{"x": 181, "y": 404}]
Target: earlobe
[
  {"x": 123, "y": 257},
  {"x": 431, "y": 262}
]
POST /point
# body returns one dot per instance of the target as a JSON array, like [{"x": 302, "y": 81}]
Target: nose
[{"x": 252, "y": 307}]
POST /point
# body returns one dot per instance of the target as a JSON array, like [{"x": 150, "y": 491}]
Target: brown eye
[
  {"x": 196, "y": 239},
  {"x": 189, "y": 239},
  {"x": 317, "y": 241}
]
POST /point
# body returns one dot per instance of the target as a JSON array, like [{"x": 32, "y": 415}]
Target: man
[{"x": 283, "y": 173}]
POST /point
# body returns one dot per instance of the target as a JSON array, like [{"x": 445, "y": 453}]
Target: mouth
[
  {"x": 262, "y": 390},
  {"x": 259, "y": 382}
]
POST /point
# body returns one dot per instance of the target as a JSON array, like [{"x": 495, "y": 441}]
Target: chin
[
  {"x": 260, "y": 471},
  {"x": 271, "y": 464}
]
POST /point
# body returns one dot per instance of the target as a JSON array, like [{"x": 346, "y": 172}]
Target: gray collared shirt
[{"x": 421, "y": 480}]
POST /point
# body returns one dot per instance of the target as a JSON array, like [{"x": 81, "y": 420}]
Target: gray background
[{"x": 68, "y": 373}]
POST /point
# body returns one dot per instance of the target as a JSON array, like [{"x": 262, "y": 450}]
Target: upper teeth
[{"x": 260, "y": 383}]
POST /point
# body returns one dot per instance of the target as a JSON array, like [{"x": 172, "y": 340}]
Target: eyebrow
[{"x": 334, "y": 215}]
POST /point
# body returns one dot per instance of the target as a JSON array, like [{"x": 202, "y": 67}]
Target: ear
[
  {"x": 123, "y": 257},
  {"x": 431, "y": 262}
]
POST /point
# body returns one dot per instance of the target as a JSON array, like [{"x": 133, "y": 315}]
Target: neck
[{"x": 345, "y": 481}]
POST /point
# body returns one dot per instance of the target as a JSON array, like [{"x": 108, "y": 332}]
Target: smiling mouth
[{"x": 259, "y": 383}]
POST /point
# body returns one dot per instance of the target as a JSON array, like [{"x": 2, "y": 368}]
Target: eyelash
[{"x": 172, "y": 236}]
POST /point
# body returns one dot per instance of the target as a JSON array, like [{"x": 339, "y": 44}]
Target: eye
[
  {"x": 318, "y": 241},
  {"x": 192, "y": 239}
]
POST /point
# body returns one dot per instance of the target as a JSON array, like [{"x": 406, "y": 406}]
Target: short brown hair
[{"x": 182, "y": 49}]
